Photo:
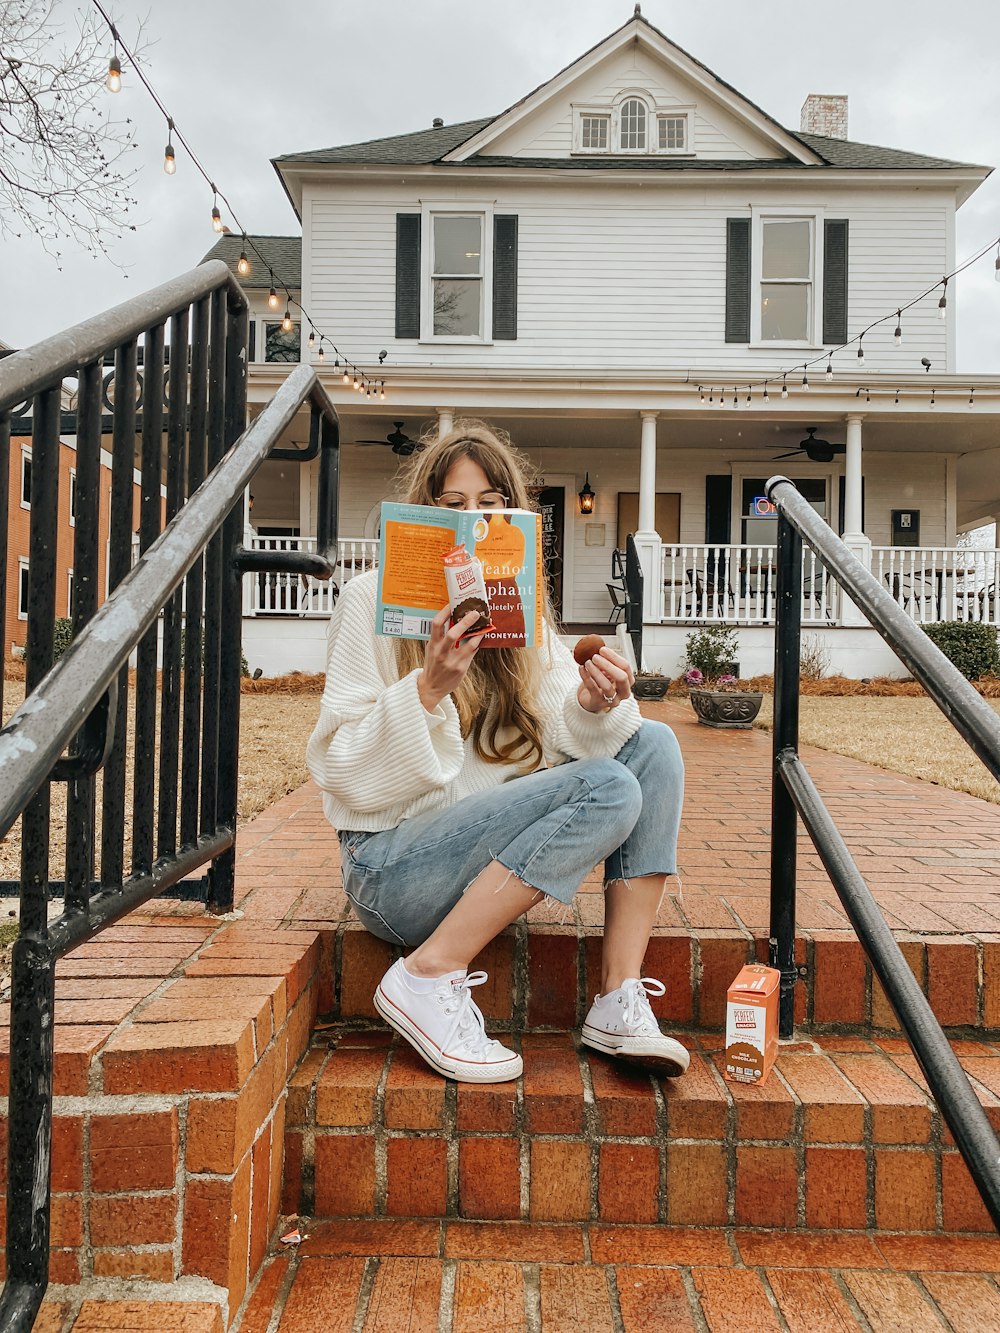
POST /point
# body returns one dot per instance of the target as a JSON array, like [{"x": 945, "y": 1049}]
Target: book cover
[{"x": 411, "y": 579}]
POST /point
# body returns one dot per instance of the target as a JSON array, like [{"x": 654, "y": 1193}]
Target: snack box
[{"x": 752, "y": 1024}]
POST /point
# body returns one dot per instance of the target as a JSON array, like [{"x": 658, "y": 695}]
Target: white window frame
[
  {"x": 684, "y": 113},
  {"x": 429, "y": 210},
  {"x": 69, "y": 594},
  {"x": 25, "y": 458},
  {"x": 22, "y": 576},
  {"x": 72, "y": 497},
  {"x": 759, "y": 216},
  {"x": 644, "y": 102},
  {"x": 604, "y": 116}
]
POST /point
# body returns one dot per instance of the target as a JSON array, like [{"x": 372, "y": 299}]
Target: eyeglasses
[{"x": 456, "y": 500}]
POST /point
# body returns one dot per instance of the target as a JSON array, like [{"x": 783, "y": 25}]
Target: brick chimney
[{"x": 825, "y": 114}]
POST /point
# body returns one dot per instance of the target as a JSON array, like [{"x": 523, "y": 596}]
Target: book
[{"x": 411, "y": 570}]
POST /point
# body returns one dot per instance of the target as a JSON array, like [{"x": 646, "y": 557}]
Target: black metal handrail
[
  {"x": 634, "y": 596},
  {"x": 793, "y": 793},
  {"x": 178, "y": 610}
]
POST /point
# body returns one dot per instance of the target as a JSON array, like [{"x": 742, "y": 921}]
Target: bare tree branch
[{"x": 65, "y": 167}]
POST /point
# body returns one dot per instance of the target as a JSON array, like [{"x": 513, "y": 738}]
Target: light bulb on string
[
  {"x": 897, "y": 337},
  {"x": 286, "y": 321},
  {"x": 169, "y": 159},
  {"x": 896, "y": 403},
  {"x": 216, "y": 215},
  {"x": 996, "y": 266},
  {"x": 311, "y": 340},
  {"x": 346, "y": 377},
  {"x": 829, "y": 367},
  {"x": 382, "y": 394},
  {"x": 357, "y": 382},
  {"x": 749, "y": 388},
  {"x": 272, "y": 296},
  {"x": 767, "y": 396},
  {"x": 805, "y": 379},
  {"x": 784, "y": 387},
  {"x": 701, "y": 394},
  {"x": 243, "y": 264},
  {"x": 972, "y": 396},
  {"x": 861, "y": 350},
  {"x": 113, "y": 82},
  {"x": 322, "y": 354},
  {"x": 711, "y": 396},
  {"x": 943, "y": 303},
  {"x": 736, "y": 397}
]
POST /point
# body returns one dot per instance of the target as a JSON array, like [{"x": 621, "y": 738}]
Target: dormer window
[
  {"x": 632, "y": 114},
  {"x": 633, "y": 124}
]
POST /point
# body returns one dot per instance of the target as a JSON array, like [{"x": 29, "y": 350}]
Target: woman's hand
[
  {"x": 604, "y": 681},
  {"x": 447, "y": 657}
]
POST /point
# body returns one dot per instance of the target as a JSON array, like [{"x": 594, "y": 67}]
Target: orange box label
[{"x": 752, "y": 1024}]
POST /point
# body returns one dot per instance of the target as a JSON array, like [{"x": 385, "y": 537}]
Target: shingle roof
[
  {"x": 282, "y": 255},
  {"x": 427, "y": 147}
]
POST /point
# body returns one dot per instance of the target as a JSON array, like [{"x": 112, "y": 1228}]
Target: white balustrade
[
  {"x": 301, "y": 594},
  {"x": 933, "y": 583},
  {"x": 735, "y": 585}
]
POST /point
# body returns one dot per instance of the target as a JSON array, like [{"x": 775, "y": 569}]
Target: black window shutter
[
  {"x": 252, "y": 349},
  {"x": 407, "y": 275},
  {"x": 737, "y": 280},
  {"x": 505, "y": 276},
  {"x": 835, "y": 281},
  {"x": 718, "y": 508}
]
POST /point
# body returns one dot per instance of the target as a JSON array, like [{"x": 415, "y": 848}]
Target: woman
[{"x": 468, "y": 782}]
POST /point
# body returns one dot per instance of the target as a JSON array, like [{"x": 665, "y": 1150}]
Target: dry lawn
[{"x": 905, "y": 735}]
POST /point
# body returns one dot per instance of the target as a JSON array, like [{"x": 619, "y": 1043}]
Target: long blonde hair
[{"x": 498, "y": 691}]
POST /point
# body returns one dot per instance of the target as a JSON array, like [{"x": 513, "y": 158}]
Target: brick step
[
  {"x": 842, "y": 1135},
  {"x": 387, "y": 1275},
  {"x": 545, "y": 975}
]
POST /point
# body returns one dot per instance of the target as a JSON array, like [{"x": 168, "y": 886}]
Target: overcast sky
[{"x": 248, "y": 81}]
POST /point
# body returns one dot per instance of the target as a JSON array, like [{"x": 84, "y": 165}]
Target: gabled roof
[
  {"x": 282, "y": 256},
  {"x": 406, "y": 149}
]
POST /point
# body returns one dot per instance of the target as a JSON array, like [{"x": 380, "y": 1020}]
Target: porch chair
[
  {"x": 705, "y": 591},
  {"x": 618, "y": 603}
]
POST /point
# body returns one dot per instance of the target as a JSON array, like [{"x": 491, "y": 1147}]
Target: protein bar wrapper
[{"x": 466, "y": 584}]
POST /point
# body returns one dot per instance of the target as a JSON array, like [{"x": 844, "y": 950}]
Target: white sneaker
[
  {"x": 622, "y": 1024},
  {"x": 445, "y": 1026}
]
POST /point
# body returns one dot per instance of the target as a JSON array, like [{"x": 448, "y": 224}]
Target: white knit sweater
[{"x": 380, "y": 757}]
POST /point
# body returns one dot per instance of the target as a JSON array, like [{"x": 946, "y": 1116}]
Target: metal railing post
[{"x": 785, "y": 737}]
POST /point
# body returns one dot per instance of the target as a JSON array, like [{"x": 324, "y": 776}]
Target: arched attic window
[{"x": 633, "y": 118}]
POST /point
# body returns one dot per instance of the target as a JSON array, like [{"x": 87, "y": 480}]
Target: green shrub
[
  {"x": 971, "y": 646},
  {"x": 712, "y": 650},
  {"x": 62, "y": 637}
]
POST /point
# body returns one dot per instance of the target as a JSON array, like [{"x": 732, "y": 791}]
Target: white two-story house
[{"x": 658, "y": 291}]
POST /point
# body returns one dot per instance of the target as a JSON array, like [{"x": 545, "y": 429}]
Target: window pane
[
  {"x": 786, "y": 250},
  {"x": 672, "y": 130},
  {"x": 633, "y": 123},
  {"x": 281, "y": 346},
  {"x": 457, "y": 245},
  {"x": 26, "y": 478},
  {"x": 595, "y": 132},
  {"x": 22, "y": 590},
  {"x": 784, "y": 311},
  {"x": 456, "y": 306}
]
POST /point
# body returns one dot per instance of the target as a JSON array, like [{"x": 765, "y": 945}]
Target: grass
[{"x": 903, "y": 735}]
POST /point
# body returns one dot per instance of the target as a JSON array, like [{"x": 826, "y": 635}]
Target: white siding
[{"x": 629, "y": 275}]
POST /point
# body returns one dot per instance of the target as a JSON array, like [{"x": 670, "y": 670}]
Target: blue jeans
[{"x": 550, "y": 828}]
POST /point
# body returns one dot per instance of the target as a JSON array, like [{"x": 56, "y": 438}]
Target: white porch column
[
  {"x": 854, "y": 538},
  {"x": 446, "y": 421},
  {"x": 647, "y": 539},
  {"x": 246, "y": 583}
]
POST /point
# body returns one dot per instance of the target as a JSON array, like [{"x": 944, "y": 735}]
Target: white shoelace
[
  {"x": 457, "y": 1000},
  {"x": 638, "y": 1016}
]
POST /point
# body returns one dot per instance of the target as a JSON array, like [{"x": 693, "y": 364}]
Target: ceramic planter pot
[
  {"x": 726, "y": 709},
  {"x": 650, "y": 687}
]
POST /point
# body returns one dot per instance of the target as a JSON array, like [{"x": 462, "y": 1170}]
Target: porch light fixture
[
  {"x": 943, "y": 303},
  {"x": 587, "y": 496},
  {"x": 169, "y": 160},
  {"x": 113, "y": 82},
  {"x": 897, "y": 337}
]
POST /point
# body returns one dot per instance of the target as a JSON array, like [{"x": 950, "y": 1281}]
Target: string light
[
  {"x": 272, "y": 296},
  {"x": 996, "y": 266},
  {"x": 933, "y": 393},
  {"x": 382, "y": 393},
  {"x": 711, "y": 396},
  {"x": 346, "y": 376},
  {"x": 243, "y": 265},
  {"x": 169, "y": 161},
  {"x": 897, "y": 337},
  {"x": 972, "y": 396},
  {"x": 216, "y": 215},
  {"x": 784, "y": 387},
  {"x": 943, "y": 303},
  {"x": 113, "y": 82},
  {"x": 701, "y": 394},
  {"x": 829, "y": 367},
  {"x": 286, "y": 322},
  {"x": 749, "y": 388},
  {"x": 311, "y": 340},
  {"x": 805, "y": 379},
  {"x": 736, "y": 399},
  {"x": 767, "y": 396},
  {"x": 897, "y": 398},
  {"x": 322, "y": 354},
  {"x": 861, "y": 350}
]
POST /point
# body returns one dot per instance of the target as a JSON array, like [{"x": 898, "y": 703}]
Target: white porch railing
[
  {"x": 735, "y": 585},
  {"x": 301, "y": 594},
  {"x": 941, "y": 582}
]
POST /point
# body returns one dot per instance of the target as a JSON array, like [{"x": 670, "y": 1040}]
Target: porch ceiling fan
[
  {"x": 396, "y": 441},
  {"x": 817, "y": 451}
]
